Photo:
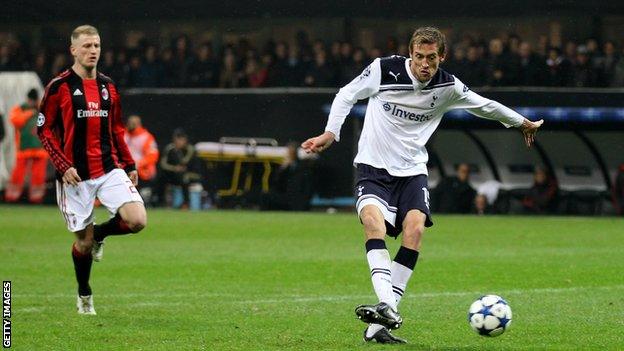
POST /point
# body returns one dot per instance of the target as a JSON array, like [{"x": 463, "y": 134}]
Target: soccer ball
[{"x": 490, "y": 315}]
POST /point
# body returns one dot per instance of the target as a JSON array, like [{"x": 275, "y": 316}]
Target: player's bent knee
[
  {"x": 372, "y": 225},
  {"x": 137, "y": 224},
  {"x": 84, "y": 245}
]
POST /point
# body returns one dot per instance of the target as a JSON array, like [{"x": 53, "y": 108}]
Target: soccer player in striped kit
[
  {"x": 80, "y": 127},
  {"x": 407, "y": 99}
]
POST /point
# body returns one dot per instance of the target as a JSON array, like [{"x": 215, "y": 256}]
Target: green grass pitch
[{"x": 235, "y": 280}]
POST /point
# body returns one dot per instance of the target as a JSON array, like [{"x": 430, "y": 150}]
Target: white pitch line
[
  {"x": 329, "y": 298},
  {"x": 433, "y": 294}
]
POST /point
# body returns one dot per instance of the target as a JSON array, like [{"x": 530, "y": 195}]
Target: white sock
[
  {"x": 400, "y": 277},
  {"x": 381, "y": 275},
  {"x": 372, "y": 329}
]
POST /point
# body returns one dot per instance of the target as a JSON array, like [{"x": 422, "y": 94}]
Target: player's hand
[
  {"x": 529, "y": 129},
  {"x": 319, "y": 143},
  {"x": 134, "y": 177},
  {"x": 71, "y": 176}
]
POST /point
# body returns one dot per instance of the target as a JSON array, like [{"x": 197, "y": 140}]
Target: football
[{"x": 490, "y": 315}]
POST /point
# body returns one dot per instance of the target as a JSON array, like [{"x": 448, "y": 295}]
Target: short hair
[
  {"x": 85, "y": 29},
  {"x": 428, "y": 35}
]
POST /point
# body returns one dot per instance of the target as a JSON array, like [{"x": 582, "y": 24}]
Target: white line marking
[
  {"x": 304, "y": 299},
  {"x": 231, "y": 298}
]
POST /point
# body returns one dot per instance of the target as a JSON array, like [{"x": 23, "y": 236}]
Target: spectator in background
[
  {"x": 542, "y": 196},
  {"x": 455, "y": 64},
  {"x": 618, "y": 191},
  {"x": 180, "y": 169},
  {"x": 454, "y": 194},
  {"x": 281, "y": 71},
  {"x": 144, "y": 150},
  {"x": 150, "y": 73},
  {"x": 133, "y": 71},
  {"x": 31, "y": 157},
  {"x": 481, "y": 205},
  {"x": 255, "y": 75},
  {"x": 8, "y": 61},
  {"x": 181, "y": 61},
  {"x": 204, "y": 71},
  {"x": 618, "y": 71},
  {"x": 229, "y": 77},
  {"x": 290, "y": 188},
  {"x": 353, "y": 67},
  {"x": 108, "y": 63},
  {"x": 532, "y": 68},
  {"x": 59, "y": 64},
  {"x": 121, "y": 68},
  {"x": 169, "y": 69},
  {"x": 500, "y": 66},
  {"x": 559, "y": 69},
  {"x": 474, "y": 71},
  {"x": 605, "y": 64},
  {"x": 570, "y": 51},
  {"x": 584, "y": 72},
  {"x": 320, "y": 74},
  {"x": 40, "y": 66}
]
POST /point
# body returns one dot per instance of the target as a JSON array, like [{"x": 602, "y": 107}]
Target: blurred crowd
[
  {"x": 456, "y": 194},
  {"x": 501, "y": 61}
]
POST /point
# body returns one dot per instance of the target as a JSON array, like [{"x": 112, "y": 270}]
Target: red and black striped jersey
[{"x": 80, "y": 125}]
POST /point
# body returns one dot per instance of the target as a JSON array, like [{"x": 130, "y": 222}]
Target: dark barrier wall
[
  {"x": 285, "y": 117},
  {"x": 294, "y": 115}
]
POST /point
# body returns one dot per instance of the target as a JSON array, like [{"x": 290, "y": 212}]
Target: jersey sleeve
[
  {"x": 118, "y": 131},
  {"x": 362, "y": 87},
  {"x": 464, "y": 98},
  {"x": 49, "y": 116}
]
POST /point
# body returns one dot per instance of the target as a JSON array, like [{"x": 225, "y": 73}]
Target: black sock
[
  {"x": 406, "y": 257},
  {"x": 115, "y": 226},
  {"x": 82, "y": 267}
]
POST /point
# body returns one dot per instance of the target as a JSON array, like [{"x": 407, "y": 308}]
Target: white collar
[{"x": 415, "y": 82}]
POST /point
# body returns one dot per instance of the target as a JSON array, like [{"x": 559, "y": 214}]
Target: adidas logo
[{"x": 77, "y": 92}]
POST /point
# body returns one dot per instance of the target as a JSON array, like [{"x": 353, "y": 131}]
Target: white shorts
[{"x": 76, "y": 202}]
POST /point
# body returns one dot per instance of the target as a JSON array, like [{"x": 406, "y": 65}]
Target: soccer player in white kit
[{"x": 407, "y": 99}]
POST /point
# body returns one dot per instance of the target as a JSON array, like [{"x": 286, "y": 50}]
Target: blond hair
[
  {"x": 428, "y": 35},
  {"x": 85, "y": 29}
]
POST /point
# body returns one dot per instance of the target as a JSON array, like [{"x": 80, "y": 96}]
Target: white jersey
[{"x": 403, "y": 113}]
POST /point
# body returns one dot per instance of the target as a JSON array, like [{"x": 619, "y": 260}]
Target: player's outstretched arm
[
  {"x": 528, "y": 129},
  {"x": 318, "y": 143}
]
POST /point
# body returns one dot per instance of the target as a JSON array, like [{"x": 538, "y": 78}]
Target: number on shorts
[{"x": 426, "y": 195}]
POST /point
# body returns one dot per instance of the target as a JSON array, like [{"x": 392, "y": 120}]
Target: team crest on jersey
[
  {"x": 104, "y": 93},
  {"x": 387, "y": 106},
  {"x": 466, "y": 88},
  {"x": 40, "y": 120}
]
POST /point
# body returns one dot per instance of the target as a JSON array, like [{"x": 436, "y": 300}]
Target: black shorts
[{"x": 394, "y": 196}]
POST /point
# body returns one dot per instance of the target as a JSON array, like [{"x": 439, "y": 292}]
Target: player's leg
[
  {"x": 373, "y": 193},
  {"x": 122, "y": 199},
  {"x": 377, "y": 254},
  {"x": 81, "y": 255},
  {"x": 76, "y": 205},
  {"x": 407, "y": 256},
  {"x": 379, "y": 263},
  {"x": 130, "y": 218},
  {"x": 16, "y": 183}
]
